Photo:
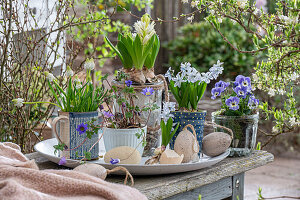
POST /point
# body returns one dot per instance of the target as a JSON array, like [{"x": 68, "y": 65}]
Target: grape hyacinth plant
[
  {"x": 238, "y": 101},
  {"x": 188, "y": 86}
]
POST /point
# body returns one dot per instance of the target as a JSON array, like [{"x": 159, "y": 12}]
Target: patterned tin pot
[
  {"x": 67, "y": 134},
  {"x": 196, "y": 119}
]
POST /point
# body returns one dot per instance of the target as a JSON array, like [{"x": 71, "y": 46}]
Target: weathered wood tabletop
[{"x": 224, "y": 180}]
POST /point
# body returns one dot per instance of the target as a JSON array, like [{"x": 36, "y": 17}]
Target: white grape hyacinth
[
  {"x": 89, "y": 64},
  {"x": 69, "y": 72},
  {"x": 18, "y": 102},
  {"x": 50, "y": 76}
]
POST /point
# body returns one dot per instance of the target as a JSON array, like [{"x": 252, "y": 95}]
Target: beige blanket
[{"x": 21, "y": 179}]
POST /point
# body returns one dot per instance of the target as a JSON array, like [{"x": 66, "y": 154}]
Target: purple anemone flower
[
  {"x": 62, "y": 161},
  {"x": 81, "y": 128},
  {"x": 128, "y": 83},
  {"x": 241, "y": 91},
  {"x": 215, "y": 92},
  {"x": 114, "y": 161},
  {"x": 253, "y": 103},
  {"x": 222, "y": 84},
  {"x": 107, "y": 114},
  {"x": 242, "y": 81},
  {"x": 233, "y": 103},
  {"x": 148, "y": 91}
]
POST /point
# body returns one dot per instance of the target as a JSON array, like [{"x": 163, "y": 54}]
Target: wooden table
[{"x": 224, "y": 180}]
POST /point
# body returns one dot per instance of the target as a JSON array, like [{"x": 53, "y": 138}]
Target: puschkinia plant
[
  {"x": 237, "y": 100},
  {"x": 188, "y": 86}
]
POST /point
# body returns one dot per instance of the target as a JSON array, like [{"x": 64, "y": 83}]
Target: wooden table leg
[{"x": 238, "y": 187}]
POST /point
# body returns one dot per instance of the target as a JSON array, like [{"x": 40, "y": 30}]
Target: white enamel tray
[{"x": 46, "y": 149}]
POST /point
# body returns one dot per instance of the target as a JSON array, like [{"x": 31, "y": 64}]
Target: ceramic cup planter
[
  {"x": 244, "y": 132},
  {"x": 196, "y": 119},
  {"x": 124, "y": 137},
  {"x": 67, "y": 134},
  {"x": 153, "y": 134}
]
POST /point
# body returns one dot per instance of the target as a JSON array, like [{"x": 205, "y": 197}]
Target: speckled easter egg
[
  {"x": 126, "y": 154},
  {"x": 215, "y": 143},
  {"x": 93, "y": 170},
  {"x": 187, "y": 144}
]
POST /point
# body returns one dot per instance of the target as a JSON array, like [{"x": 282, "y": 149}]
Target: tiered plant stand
[{"x": 224, "y": 180}]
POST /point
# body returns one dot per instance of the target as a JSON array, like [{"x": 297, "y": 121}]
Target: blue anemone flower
[
  {"x": 81, "y": 128},
  {"x": 233, "y": 103},
  {"x": 128, "y": 83},
  {"x": 148, "y": 91},
  {"x": 62, "y": 161},
  {"x": 114, "y": 161}
]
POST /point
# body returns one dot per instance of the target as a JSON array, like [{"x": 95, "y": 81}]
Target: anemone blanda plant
[
  {"x": 138, "y": 51},
  {"x": 237, "y": 97},
  {"x": 77, "y": 97},
  {"x": 126, "y": 114},
  {"x": 188, "y": 86}
]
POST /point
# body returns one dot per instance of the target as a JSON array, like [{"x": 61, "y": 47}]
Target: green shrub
[{"x": 202, "y": 46}]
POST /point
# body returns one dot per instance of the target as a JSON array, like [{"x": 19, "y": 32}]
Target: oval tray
[{"x": 46, "y": 149}]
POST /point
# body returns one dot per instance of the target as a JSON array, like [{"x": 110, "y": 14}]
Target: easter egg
[
  {"x": 126, "y": 155},
  {"x": 216, "y": 143}
]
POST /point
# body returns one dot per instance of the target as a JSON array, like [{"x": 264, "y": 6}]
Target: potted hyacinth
[
  {"x": 188, "y": 87},
  {"x": 78, "y": 105},
  {"x": 122, "y": 117},
  {"x": 137, "y": 52},
  {"x": 239, "y": 112}
]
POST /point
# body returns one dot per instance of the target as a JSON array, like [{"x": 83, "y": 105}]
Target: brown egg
[
  {"x": 170, "y": 157},
  {"x": 187, "y": 144},
  {"x": 215, "y": 143},
  {"x": 126, "y": 154},
  {"x": 92, "y": 169}
]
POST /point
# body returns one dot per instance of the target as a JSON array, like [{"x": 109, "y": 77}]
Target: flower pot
[
  {"x": 153, "y": 134},
  {"x": 124, "y": 137},
  {"x": 196, "y": 119},
  {"x": 244, "y": 132},
  {"x": 67, "y": 134}
]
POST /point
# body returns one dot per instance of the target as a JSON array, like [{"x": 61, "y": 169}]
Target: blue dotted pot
[{"x": 196, "y": 119}]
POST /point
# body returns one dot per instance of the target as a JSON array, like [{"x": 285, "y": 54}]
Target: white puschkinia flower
[
  {"x": 242, "y": 3},
  {"x": 18, "y": 102},
  {"x": 50, "y": 76},
  {"x": 190, "y": 74},
  {"x": 69, "y": 72},
  {"x": 184, "y": 1},
  {"x": 89, "y": 64},
  {"x": 78, "y": 86},
  {"x": 144, "y": 29},
  {"x": 194, "y": 3},
  {"x": 167, "y": 108},
  {"x": 191, "y": 18}
]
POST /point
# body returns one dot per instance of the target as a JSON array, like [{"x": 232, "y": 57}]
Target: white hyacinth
[
  {"x": 18, "y": 102},
  {"x": 89, "y": 64},
  {"x": 144, "y": 29},
  {"x": 166, "y": 112}
]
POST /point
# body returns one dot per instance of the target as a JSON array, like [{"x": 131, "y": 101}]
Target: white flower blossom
[
  {"x": 220, "y": 20},
  {"x": 194, "y": 3},
  {"x": 133, "y": 35},
  {"x": 169, "y": 73},
  {"x": 167, "y": 108},
  {"x": 212, "y": 11},
  {"x": 255, "y": 77},
  {"x": 242, "y": 3},
  {"x": 18, "y": 102},
  {"x": 69, "y": 72},
  {"x": 281, "y": 91},
  {"x": 144, "y": 29},
  {"x": 89, "y": 64},
  {"x": 50, "y": 76},
  {"x": 271, "y": 92},
  {"x": 275, "y": 129},
  {"x": 191, "y": 18},
  {"x": 294, "y": 76},
  {"x": 78, "y": 86},
  {"x": 292, "y": 121},
  {"x": 184, "y": 1}
]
